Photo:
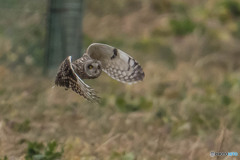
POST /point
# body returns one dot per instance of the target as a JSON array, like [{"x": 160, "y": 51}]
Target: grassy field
[{"x": 187, "y": 106}]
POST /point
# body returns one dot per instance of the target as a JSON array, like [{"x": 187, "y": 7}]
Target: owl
[{"x": 98, "y": 57}]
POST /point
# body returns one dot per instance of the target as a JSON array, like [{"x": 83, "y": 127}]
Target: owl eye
[{"x": 90, "y": 66}]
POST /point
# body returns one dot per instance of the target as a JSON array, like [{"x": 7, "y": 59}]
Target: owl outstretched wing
[
  {"x": 116, "y": 63},
  {"x": 67, "y": 77}
]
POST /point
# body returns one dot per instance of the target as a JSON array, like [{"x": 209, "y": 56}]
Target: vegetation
[
  {"x": 187, "y": 105},
  {"x": 36, "y": 151},
  {"x": 5, "y": 158}
]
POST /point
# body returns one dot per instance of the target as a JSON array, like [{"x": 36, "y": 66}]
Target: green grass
[
  {"x": 38, "y": 151},
  {"x": 4, "y": 158}
]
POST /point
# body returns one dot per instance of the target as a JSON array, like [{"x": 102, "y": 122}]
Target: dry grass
[
  {"x": 187, "y": 105},
  {"x": 165, "y": 131}
]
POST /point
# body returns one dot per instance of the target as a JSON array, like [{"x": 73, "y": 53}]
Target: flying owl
[{"x": 98, "y": 57}]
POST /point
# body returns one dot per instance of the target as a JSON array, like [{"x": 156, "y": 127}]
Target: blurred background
[{"x": 187, "y": 105}]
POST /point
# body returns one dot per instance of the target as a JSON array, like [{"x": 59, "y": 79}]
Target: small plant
[
  {"x": 183, "y": 26},
  {"x": 122, "y": 156},
  {"x": 130, "y": 104},
  {"x": 38, "y": 151},
  {"x": 233, "y": 7},
  {"x": 22, "y": 127},
  {"x": 5, "y": 158}
]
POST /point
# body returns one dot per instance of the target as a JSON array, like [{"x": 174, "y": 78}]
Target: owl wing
[
  {"x": 116, "y": 63},
  {"x": 67, "y": 77}
]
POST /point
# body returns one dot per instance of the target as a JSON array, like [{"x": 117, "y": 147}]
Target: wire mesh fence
[{"x": 22, "y": 32}]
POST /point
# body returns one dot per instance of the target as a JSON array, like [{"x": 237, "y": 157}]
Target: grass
[
  {"x": 37, "y": 151},
  {"x": 143, "y": 123},
  {"x": 187, "y": 105}
]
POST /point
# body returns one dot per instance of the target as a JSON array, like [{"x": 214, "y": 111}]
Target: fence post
[{"x": 64, "y": 32}]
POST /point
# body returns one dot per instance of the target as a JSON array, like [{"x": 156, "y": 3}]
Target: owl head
[{"x": 92, "y": 68}]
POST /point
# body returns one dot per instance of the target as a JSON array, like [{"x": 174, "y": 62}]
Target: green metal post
[{"x": 64, "y": 32}]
